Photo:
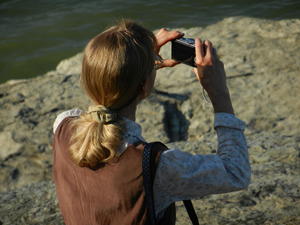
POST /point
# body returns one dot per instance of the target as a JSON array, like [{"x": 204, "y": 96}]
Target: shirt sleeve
[
  {"x": 63, "y": 115},
  {"x": 182, "y": 175}
]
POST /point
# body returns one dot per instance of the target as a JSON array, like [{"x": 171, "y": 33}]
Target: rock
[
  {"x": 10, "y": 146},
  {"x": 32, "y": 204},
  {"x": 70, "y": 66},
  {"x": 260, "y": 57}
]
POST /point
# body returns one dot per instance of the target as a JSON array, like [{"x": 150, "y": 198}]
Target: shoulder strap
[
  {"x": 191, "y": 211},
  {"x": 149, "y": 156},
  {"x": 148, "y": 181}
]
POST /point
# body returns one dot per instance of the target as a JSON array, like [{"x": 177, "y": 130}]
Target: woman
[{"x": 97, "y": 154}]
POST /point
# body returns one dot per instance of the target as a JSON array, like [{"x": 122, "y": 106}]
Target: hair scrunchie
[{"x": 102, "y": 114}]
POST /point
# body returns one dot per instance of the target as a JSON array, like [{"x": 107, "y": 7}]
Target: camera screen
[{"x": 183, "y": 53}]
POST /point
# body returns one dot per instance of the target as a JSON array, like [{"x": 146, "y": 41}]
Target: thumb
[{"x": 168, "y": 63}]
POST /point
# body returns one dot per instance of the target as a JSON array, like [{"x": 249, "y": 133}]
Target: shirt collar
[
  {"x": 133, "y": 134},
  {"x": 133, "y": 130}
]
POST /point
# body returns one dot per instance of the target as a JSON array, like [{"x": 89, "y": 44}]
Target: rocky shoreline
[{"x": 261, "y": 60}]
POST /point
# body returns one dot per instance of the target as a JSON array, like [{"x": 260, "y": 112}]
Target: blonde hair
[{"x": 115, "y": 65}]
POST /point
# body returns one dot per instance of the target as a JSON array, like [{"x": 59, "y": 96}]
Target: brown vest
[{"x": 110, "y": 195}]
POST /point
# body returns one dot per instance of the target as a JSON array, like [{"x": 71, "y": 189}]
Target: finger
[
  {"x": 163, "y": 36},
  {"x": 162, "y": 30},
  {"x": 169, "y": 63},
  {"x": 209, "y": 53},
  {"x": 171, "y": 35},
  {"x": 202, "y": 48},
  {"x": 198, "y": 51},
  {"x": 174, "y": 34}
]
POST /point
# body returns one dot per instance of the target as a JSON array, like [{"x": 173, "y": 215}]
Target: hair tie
[{"x": 102, "y": 114}]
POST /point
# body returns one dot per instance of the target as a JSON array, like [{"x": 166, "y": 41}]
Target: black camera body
[{"x": 183, "y": 50}]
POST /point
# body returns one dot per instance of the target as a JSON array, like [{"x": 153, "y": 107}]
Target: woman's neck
[{"x": 129, "y": 112}]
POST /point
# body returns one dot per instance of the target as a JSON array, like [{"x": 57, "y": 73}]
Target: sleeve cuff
[{"x": 228, "y": 120}]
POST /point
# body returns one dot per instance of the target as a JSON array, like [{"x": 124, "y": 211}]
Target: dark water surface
[{"x": 36, "y": 34}]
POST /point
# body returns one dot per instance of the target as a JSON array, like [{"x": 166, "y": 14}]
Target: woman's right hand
[
  {"x": 164, "y": 36},
  {"x": 211, "y": 74}
]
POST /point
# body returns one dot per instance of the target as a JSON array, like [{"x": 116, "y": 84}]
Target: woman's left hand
[{"x": 164, "y": 36}]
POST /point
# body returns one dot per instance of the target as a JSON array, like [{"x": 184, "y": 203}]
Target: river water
[{"x": 36, "y": 34}]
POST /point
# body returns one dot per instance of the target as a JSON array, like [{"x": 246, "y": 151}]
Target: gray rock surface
[
  {"x": 261, "y": 60},
  {"x": 9, "y": 145}
]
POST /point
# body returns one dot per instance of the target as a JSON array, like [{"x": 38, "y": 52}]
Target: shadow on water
[{"x": 36, "y": 35}]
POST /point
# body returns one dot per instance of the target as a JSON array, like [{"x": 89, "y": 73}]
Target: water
[{"x": 36, "y": 34}]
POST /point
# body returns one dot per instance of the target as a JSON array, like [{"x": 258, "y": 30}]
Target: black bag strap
[
  {"x": 191, "y": 211},
  {"x": 148, "y": 181},
  {"x": 148, "y": 175}
]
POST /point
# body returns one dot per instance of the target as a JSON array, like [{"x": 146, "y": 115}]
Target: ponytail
[{"x": 94, "y": 141}]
